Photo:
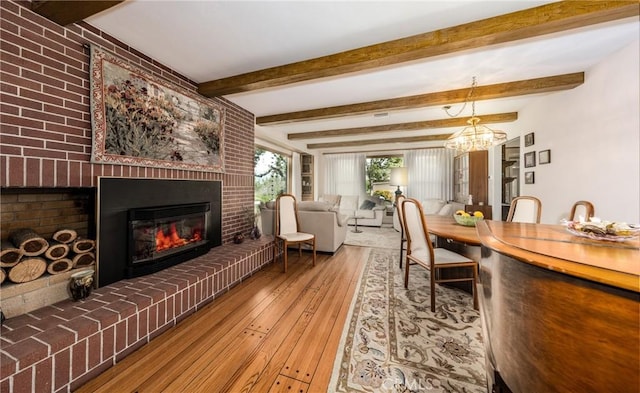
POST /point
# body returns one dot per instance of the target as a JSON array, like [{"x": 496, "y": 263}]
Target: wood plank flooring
[{"x": 274, "y": 332}]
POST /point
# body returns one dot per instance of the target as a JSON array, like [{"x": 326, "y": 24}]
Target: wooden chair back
[
  {"x": 420, "y": 250},
  {"x": 582, "y": 210},
  {"x": 403, "y": 236},
  {"x": 525, "y": 209},
  {"x": 288, "y": 228},
  {"x": 286, "y": 214},
  {"x": 418, "y": 240}
]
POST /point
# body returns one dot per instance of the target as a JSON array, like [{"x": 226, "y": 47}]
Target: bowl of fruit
[{"x": 468, "y": 219}]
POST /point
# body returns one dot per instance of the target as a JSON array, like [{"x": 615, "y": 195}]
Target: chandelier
[{"x": 475, "y": 136}]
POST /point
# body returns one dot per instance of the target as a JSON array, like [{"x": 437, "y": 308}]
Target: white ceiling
[{"x": 207, "y": 40}]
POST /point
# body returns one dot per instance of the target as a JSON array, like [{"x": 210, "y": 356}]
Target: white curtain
[
  {"x": 430, "y": 173},
  {"x": 296, "y": 175},
  {"x": 345, "y": 174}
]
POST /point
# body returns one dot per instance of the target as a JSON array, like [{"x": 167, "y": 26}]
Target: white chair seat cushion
[
  {"x": 442, "y": 256},
  {"x": 296, "y": 237}
]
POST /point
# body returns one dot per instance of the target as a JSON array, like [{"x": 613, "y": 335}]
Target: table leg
[{"x": 356, "y": 230}]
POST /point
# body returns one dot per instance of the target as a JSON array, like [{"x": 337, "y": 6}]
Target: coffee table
[{"x": 356, "y": 230}]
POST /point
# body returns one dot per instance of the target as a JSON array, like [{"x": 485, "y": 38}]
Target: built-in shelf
[
  {"x": 307, "y": 177},
  {"x": 510, "y": 173}
]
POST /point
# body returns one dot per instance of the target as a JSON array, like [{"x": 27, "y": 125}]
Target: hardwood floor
[{"x": 274, "y": 332}]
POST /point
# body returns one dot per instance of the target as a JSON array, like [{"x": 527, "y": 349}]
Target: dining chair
[
  {"x": 288, "y": 227},
  {"x": 525, "y": 209},
  {"x": 421, "y": 251},
  {"x": 582, "y": 210},
  {"x": 403, "y": 237}
]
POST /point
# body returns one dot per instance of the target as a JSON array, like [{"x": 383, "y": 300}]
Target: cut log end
[
  {"x": 3, "y": 275},
  {"x": 10, "y": 258},
  {"x": 9, "y": 254},
  {"x": 83, "y": 245},
  {"x": 60, "y": 266},
  {"x": 28, "y": 270},
  {"x": 34, "y": 247},
  {"x": 29, "y": 242},
  {"x": 65, "y": 236},
  {"x": 84, "y": 259},
  {"x": 56, "y": 251}
]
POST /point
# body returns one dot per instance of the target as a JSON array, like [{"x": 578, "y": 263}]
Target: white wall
[{"x": 593, "y": 132}]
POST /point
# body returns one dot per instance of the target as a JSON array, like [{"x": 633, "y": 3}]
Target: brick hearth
[{"x": 60, "y": 347}]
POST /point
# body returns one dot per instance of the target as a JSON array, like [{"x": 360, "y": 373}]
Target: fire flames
[{"x": 172, "y": 239}]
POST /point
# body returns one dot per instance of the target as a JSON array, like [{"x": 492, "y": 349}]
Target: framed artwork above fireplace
[{"x": 138, "y": 119}]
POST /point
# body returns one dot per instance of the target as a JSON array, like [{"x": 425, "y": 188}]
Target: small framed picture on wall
[
  {"x": 529, "y": 178},
  {"x": 544, "y": 157},
  {"x": 530, "y": 159},
  {"x": 528, "y": 139}
]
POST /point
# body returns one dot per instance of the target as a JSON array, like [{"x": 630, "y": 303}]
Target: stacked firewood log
[{"x": 26, "y": 255}]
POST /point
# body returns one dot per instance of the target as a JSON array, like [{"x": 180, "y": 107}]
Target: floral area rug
[
  {"x": 378, "y": 237},
  {"x": 393, "y": 342}
]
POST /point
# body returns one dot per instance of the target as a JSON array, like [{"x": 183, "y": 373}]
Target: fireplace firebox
[
  {"x": 164, "y": 235},
  {"x": 146, "y": 225}
]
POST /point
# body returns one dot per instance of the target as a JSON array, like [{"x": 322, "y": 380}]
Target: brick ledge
[{"x": 60, "y": 347}]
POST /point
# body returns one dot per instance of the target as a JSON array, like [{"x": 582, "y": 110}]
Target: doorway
[{"x": 510, "y": 174}]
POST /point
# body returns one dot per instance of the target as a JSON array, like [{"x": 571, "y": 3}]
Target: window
[
  {"x": 271, "y": 174},
  {"x": 378, "y": 170}
]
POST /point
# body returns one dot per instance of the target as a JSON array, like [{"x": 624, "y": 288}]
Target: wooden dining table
[
  {"x": 561, "y": 313},
  {"x": 549, "y": 246},
  {"x": 447, "y": 228}
]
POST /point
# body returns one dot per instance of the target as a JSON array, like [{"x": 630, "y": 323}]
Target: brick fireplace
[
  {"x": 46, "y": 175},
  {"x": 155, "y": 202}
]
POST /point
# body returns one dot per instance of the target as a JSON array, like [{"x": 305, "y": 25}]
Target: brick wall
[
  {"x": 45, "y": 149},
  {"x": 45, "y": 124},
  {"x": 47, "y": 210}
]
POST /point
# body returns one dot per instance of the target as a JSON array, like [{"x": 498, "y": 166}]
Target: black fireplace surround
[{"x": 189, "y": 211}]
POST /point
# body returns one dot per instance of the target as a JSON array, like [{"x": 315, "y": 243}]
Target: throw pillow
[
  {"x": 334, "y": 200},
  {"x": 367, "y": 205}
]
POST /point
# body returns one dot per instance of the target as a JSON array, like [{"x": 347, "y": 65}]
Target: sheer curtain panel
[
  {"x": 344, "y": 174},
  {"x": 430, "y": 173}
]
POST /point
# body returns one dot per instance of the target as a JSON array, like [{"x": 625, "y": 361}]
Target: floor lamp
[{"x": 399, "y": 177}]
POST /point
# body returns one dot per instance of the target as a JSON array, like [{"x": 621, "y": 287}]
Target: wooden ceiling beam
[
  {"x": 418, "y": 125},
  {"x": 384, "y": 141},
  {"x": 500, "y": 90},
  {"x": 532, "y": 22},
  {"x": 66, "y": 12}
]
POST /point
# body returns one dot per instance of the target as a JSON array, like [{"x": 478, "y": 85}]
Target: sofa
[
  {"x": 369, "y": 210},
  {"x": 320, "y": 218},
  {"x": 433, "y": 206}
]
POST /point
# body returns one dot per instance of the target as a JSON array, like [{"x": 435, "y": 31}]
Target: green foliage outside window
[
  {"x": 379, "y": 170},
  {"x": 270, "y": 171}
]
